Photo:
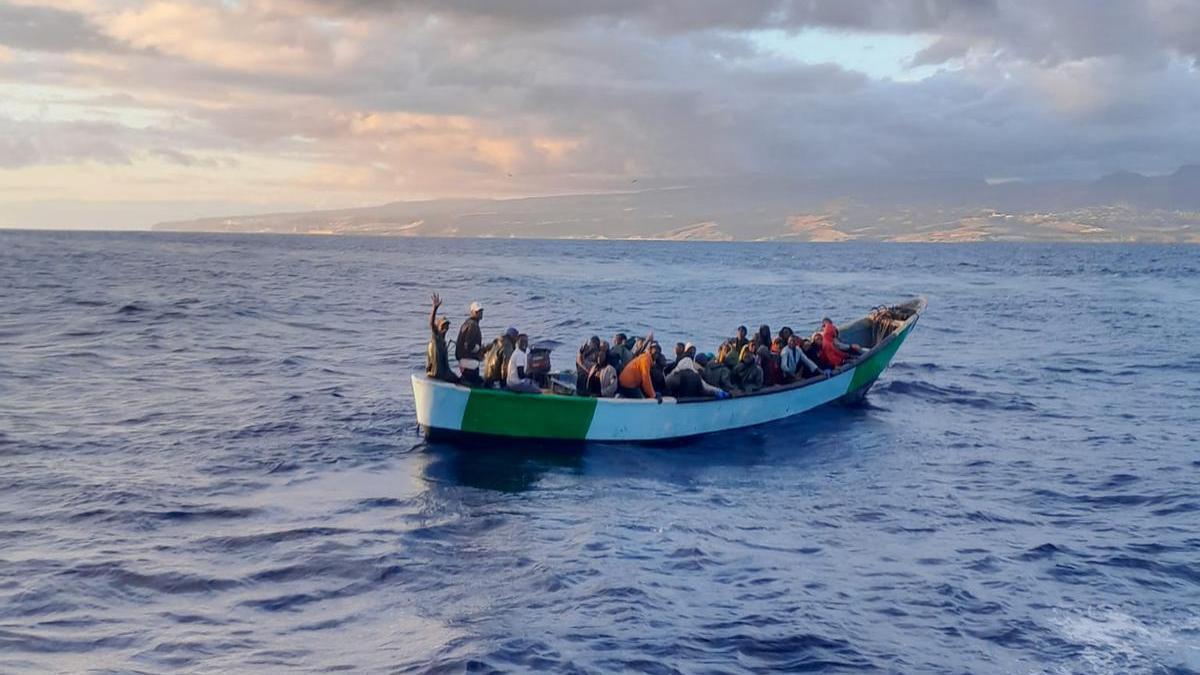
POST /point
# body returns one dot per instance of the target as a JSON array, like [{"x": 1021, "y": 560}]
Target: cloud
[
  {"x": 375, "y": 100},
  {"x": 49, "y": 29},
  {"x": 24, "y": 143}
]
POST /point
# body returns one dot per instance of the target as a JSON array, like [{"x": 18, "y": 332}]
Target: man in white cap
[{"x": 468, "y": 349}]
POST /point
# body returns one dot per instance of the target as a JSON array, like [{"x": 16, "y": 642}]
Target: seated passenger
[
  {"x": 686, "y": 379},
  {"x": 619, "y": 353},
  {"x": 812, "y": 349},
  {"x": 728, "y": 353},
  {"x": 748, "y": 376},
  {"x": 739, "y": 341},
  {"x": 769, "y": 361},
  {"x": 680, "y": 348},
  {"x": 751, "y": 348},
  {"x": 715, "y": 372},
  {"x": 635, "y": 379},
  {"x": 794, "y": 363},
  {"x": 602, "y": 379},
  {"x": 518, "y": 380},
  {"x": 658, "y": 375},
  {"x": 584, "y": 361},
  {"x": 495, "y": 361},
  {"x": 833, "y": 351},
  {"x": 764, "y": 336},
  {"x": 785, "y": 335},
  {"x": 437, "y": 361}
]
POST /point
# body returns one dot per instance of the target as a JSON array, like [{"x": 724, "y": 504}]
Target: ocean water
[{"x": 209, "y": 462}]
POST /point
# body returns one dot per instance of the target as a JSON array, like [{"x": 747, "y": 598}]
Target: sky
[{"x": 122, "y": 113}]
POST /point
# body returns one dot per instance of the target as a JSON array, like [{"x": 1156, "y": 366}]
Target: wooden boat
[{"x": 445, "y": 409}]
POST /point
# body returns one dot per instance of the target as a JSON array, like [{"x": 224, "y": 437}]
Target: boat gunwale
[{"x": 920, "y": 302}]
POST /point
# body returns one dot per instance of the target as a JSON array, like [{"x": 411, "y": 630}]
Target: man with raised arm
[{"x": 437, "y": 363}]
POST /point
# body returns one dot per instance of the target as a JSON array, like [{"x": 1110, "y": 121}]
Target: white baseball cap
[{"x": 476, "y": 307}]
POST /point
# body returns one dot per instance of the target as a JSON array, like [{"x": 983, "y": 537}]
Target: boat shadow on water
[{"x": 516, "y": 465}]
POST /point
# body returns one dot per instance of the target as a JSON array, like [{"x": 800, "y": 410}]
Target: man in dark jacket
[
  {"x": 619, "y": 353},
  {"x": 469, "y": 347}
]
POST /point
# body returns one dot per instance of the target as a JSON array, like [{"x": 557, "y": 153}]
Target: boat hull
[{"x": 458, "y": 410}]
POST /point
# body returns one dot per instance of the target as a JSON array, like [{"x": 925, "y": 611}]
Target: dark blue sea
[{"x": 209, "y": 462}]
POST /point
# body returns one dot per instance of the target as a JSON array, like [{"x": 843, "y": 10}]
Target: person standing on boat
[
  {"x": 518, "y": 379},
  {"x": 468, "y": 349},
  {"x": 635, "y": 380},
  {"x": 585, "y": 360},
  {"x": 437, "y": 363}
]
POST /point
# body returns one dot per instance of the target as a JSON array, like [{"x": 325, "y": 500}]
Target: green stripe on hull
[
  {"x": 866, "y": 372},
  {"x": 502, "y": 413}
]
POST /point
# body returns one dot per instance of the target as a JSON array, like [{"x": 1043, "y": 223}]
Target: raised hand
[{"x": 437, "y": 301}]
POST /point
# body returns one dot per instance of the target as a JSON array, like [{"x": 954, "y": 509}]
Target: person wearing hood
[
  {"x": 729, "y": 353},
  {"x": 468, "y": 349},
  {"x": 748, "y": 376},
  {"x": 437, "y": 363},
  {"x": 833, "y": 351}
]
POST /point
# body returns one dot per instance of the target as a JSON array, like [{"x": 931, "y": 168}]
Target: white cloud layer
[{"x": 360, "y": 101}]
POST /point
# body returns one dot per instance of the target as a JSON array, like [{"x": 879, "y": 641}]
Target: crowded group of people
[{"x": 743, "y": 364}]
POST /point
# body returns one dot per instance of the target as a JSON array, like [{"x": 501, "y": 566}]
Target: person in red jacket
[
  {"x": 769, "y": 360},
  {"x": 834, "y": 352}
]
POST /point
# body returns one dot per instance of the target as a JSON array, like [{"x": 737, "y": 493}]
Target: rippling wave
[{"x": 209, "y": 461}]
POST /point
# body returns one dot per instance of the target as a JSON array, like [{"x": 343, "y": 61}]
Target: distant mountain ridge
[{"x": 1121, "y": 206}]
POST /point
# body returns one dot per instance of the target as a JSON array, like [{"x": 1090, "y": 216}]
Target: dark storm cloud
[
  {"x": 49, "y": 29},
  {"x": 1032, "y": 29}
]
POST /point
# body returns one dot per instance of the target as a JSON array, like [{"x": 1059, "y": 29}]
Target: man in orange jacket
[{"x": 635, "y": 381}]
